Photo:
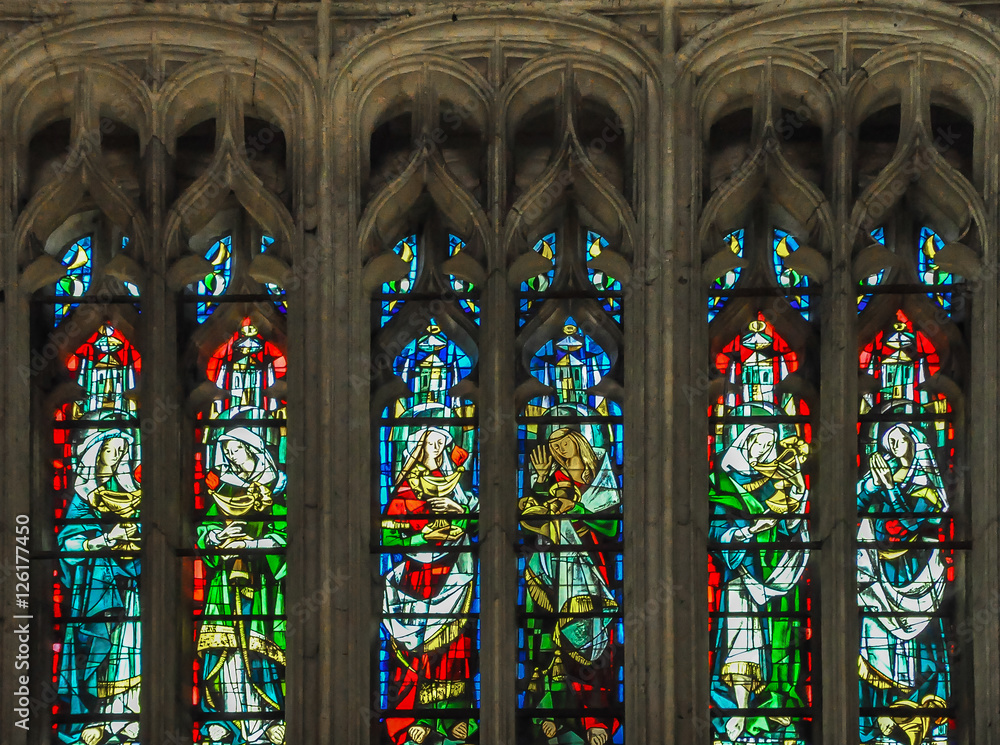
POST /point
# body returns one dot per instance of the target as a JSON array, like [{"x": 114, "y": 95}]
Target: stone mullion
[
  {"x": 648, "y": 409},
  {"x": 341, "y": 457},
  {"x": 835, "y": 444},
  {"x": 686, "y": 423},
  {"x": 167, "y": 446},
  {"x": 498, "y": 450},
  {"x": 979, "y": 630},
  {"x": 309, "y": 580}
]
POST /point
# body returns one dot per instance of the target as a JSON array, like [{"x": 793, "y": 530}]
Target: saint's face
[
  {"x": 565, "y": 448},
  {"x": 899, "y": 443},
  {"x": 112, "y": 451},
  {"x": 434, "y": 445},
  {"x": 760, "y": 444},
  {"x": 239, "y": 455}
]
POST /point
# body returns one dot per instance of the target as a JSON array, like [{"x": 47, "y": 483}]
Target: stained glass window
[
  {"x": 716, "y": 301},
  {"x": 239, "y": 573},
  {"x": 930, "y": 273},
  {"x": 78, "y": 260},
  {"x": 406, "y": 249},
  {"x": 610, "y": 289},
  {"x": 785, "y": 244},
  {"x": 532, "y": 287},
  {"x": 277, "y": 291},
  {"x": 878, "y": 235},
  {"x": 760, "y": 590},
  {"x": 905, "y": 564},
  {"x": 570, "y": 665},
  {"x": 98, "y": 485},
  {"x": 428, "y": 506},
  {"x": 216, "y": 282},
  {"x": 463, "y": 288}
]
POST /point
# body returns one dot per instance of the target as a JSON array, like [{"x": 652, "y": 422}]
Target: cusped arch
[{"x": 795, "y": 79}]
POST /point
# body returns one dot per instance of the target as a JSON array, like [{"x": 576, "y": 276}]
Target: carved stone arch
[
  {"x": 433, "y": 76},
  {"x": 795, "y": 78},
  {"x": 64, "y": 196},
  {"x": 617, "y": 53},
  {"x": 426, "y": 177},
  {"x": 767, "y": 178},
  {"x": 544, "y": 79},
  {"x": 228, "y": 172},
  {"x": 45, "y": 95},
  {"x": 534, "y": 211},
  {"x": 949, "y": 72},
  {"x": 278, "y": 69},
  {"x": 941, "y": 194},
  {"x": 193, "y": 94},
  {"x": 877, "y": 25}
]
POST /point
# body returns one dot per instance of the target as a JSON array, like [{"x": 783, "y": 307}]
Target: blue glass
[
  {"x": 784, "y": 245},
  {"x": 716, "y": 302},
  {"x": 546, "y": 248},
  {"x": 78, "y": 260},
  {"x": 278, "y": 291},
  {"x": 609, "y": 287},
  {"x": 874, "y": 279},
  {"x": 930, "y": 273},
  {"x": 461, "y": 286},
  {"x": 215, "y": 284},
  {"x": 406, "y": 249}
]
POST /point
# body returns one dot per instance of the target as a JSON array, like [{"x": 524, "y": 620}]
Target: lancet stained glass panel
[
  {"x": 570, "y": 641},
  {"x": 428, "y": 507},
  {"x": 759, "y": 595},
  {"x": 97, "y": 481},
  {"x": 905, "y": 565},
  {"x": 241, "y": 520}
]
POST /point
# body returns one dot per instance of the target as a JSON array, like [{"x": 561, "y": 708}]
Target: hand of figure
[
  {"x": 761, "y": 525},
  {"x": 276, "y": 734},
  {"x": 418, "y": 733},
  {"x": 597, "y": 736},
  {"x": 92, "y": 735},
  {"x": 735, "y": 727},
  {"x": 118, "y": 534},
  {"x": 548, "y": 726},
  {"x": 881, "y": 470},
  {"x": 235, "y": 530},
  {"x": 444, "y": 504},
  {"x": 541, "y": 461},
  {"x": 460, "y": 731}
]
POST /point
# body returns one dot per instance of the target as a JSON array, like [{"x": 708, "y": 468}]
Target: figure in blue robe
[
  {"x": 99, "y": 662},
  {"x": 903, "y": 662}
]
